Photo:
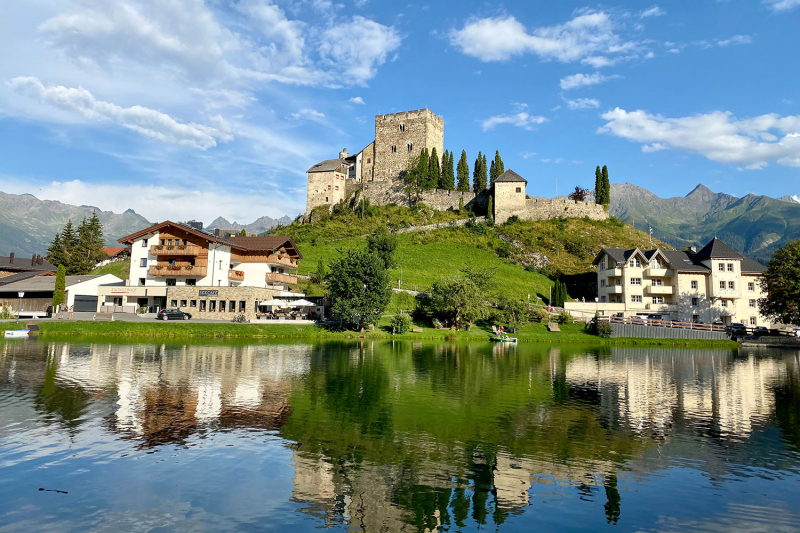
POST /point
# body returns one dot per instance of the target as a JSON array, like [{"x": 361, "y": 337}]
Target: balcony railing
[
  {"x": 275, "y": 259},
  {"x": 614, "y": 272},
  {"x": 661, "y": 290},
  {"x": 170, "y": 271},
  {"x": 281, "y": 278},
  {"x": 235, "y": 275},
  {"x": 175, "y": 249},
  {"x": 660, "y": 273},
  {"x": 615, "y": 289}
]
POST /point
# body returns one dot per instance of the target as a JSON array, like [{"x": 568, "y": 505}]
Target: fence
[
  {"x": 672, "y": 324},
  {"x": 659, "y": 332}
]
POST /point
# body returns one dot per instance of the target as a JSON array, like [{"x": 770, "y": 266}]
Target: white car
[{"x": 795, "y": 332}]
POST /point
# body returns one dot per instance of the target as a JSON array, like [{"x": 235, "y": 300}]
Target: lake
[{"x": 404, "y": 436}]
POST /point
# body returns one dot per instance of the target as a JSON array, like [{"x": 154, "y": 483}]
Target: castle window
[
  {"x": 519, "y": 189},
  {"x": 410, "y": 146},
  {"x": 402, "y": 127},
  {"x": 369, "y": 160},
  {"x": 326, "y": 199},
  {"x": 394, "y": 149},
  {"x": 337, "y": 187},
  {"x": 329, "y": 187}
]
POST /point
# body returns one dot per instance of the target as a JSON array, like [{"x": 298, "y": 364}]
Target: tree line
[
  {"x": 79, "y": 249},
  {"x": 425, "y": 172}
]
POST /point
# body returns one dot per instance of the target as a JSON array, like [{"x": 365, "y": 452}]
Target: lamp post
[{"x": 19, "y": 304}]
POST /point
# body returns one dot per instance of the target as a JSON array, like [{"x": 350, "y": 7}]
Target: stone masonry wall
[
  {"x": 536, "y": 209},
  {"x": 394, "y": 192},
  {"x": 325, "y": 188},
  {"x": 250, "y": 295},
  {"x": 368, "y": 162},
  {"x": 400, "y": 137}
]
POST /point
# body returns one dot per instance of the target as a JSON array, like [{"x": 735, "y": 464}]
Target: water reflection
[{"x": 422, "y": 436}]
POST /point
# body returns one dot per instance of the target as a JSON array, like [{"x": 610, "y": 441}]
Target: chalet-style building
[
  {"x": 181, "y": 266},
  {"x": 716, "y": 284}
]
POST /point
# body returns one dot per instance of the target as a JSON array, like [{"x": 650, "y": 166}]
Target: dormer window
[{"x": 635, "y": 263}]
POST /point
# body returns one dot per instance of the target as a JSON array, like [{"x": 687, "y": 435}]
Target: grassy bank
[{"x": 570, "y": 333}]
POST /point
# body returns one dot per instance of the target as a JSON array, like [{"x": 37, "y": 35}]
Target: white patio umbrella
[
  {"x": 302, "y": 303},
  {"x": 273, "y": 303}
]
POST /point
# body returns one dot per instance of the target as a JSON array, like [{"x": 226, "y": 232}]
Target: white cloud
[
  {"x": 148, "y": 122},
  {"x": 575, "y": 81},
  {"x": 358, "y": 47},
  {"x": 308, "y": 114},
  {"x": 357, "y": 100},
  {"x": 673, "y": 51},
  {"x": 522, "y": 120},
  {"x": 654, "y": 11},
  {"x": 719, "y": 136},
  {"x": 582, "y": 103},
  {"x": 546, "y": 160},
  {"x": 782, "y": 5},
  {"x": 527, "y": 155},
  {"x": 589, "y": 36},
  {"x": 736, "y": 39}
]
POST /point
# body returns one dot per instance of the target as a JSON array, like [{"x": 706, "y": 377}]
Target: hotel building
[{"x": 182, "y": 267}]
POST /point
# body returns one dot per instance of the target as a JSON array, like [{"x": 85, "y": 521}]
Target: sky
[{"x": 192, "y": 109}]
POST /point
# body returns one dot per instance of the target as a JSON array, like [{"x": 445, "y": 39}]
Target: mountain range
[
  {"x": 260, "y": 225},
  {"x": 754, "y": 225}
]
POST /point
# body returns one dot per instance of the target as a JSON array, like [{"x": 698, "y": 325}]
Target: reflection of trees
[
  {"x": 55, "y": 397},
  {"x": 787, "y": 403}
]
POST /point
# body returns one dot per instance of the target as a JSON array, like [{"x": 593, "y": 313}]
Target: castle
[{"x": 375, "y": 173}]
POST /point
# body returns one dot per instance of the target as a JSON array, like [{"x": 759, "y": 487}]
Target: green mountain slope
[
  {"x": 27, "y": 224},
  {"x": 754, "y": 225}
]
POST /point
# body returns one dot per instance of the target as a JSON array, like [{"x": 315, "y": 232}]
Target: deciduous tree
[
  {"x": 358, "y": 286},
  {"x": 383, "y": 244},
  {"x": 781, "y": 282}
]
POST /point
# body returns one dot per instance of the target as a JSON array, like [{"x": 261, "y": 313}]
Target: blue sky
[{"x": 190, "y": 109}]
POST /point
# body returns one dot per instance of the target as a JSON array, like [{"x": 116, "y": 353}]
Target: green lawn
[{"x": 121, "y": 269}]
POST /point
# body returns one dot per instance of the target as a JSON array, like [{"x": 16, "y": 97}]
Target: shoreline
[{"x": 531, "y": 333}]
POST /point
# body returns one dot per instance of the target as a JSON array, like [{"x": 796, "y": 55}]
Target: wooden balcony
[
  {"x": 174, "y": 250},
  {"x": 235, "y": 275},
  {"x": 285, "y": 279},
  {"x": 168, "y": 271},
  {"x": 284, "y": 261}
]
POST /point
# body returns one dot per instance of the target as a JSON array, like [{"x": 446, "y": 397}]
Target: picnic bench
[
  {"x": 103, "y": 316},
  {"x": 552, "y": 326}
]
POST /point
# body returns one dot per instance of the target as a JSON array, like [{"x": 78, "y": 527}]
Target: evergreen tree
[
  {"x": 477, "y": 186},
  {"x": 490, "y": 209},
  {"x": 492, "y": 174},
  {"x": 423, "y": 169},
  {"x": 606, "y": 187},
  {"x": 484, "y": 172},
  {"x": 450, "y": 178},
  {"x": 598, "y": 186},
  {"x": 435, "y": 171},
  {"x": 498, "y": 164},
  {"x": 69, "y": 244},
  {"x": 59, "y": 296},
  {"x": 55, "y": 252},
  {"x": 463, "y": 173},
  {"x": 243, "y": 233}
]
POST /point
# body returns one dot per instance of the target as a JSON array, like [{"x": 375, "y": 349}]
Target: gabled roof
[
  {"x": 751, "y": 266},
  {"x": 24, "y": 264},
  {"x": 19, "y": 276},
  {"x": 328, "y": 165},
  {"x": 682, "y": 262},
  {"x": 129, "y": 239},
  {"x": 44, "y": 283},
  {"x": 510, "y": 176},
  {"x": 716, "y": 249},
  {"x": 619, "y": 255},
  {"x": 112, "y": 251},
  {"x": 267, "y": 244}
]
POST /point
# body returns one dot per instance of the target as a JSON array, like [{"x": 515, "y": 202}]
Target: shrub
[
  {"x": 513, "y": 219},
  {"x": 602, "y": 328},
  {"x": 539, "y": 315},
  {"x": 504, "y": 250},
  {"x": 564, "y": 318},
  {"x": 401, "y": 323}
]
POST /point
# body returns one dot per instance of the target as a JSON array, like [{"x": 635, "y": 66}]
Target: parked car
[
  {"x": 737, "y": 328},
  {"x": 172, "y": 314},
  {"x": 762, "y": 330},
  {"x": 795, "y": 332}
]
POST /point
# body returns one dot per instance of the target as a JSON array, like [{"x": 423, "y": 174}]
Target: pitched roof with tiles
[
  {"x": 510, "y": 176},
  {"x": 112, "y": 251},
  {"x": 329, "y": 165},
  {"x": 682, "y": 262},
  {"x": 716, "y": 249},
  {"x": 24, "y": 264}
]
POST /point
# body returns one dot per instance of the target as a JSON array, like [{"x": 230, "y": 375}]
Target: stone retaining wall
[{"x": 543, "y": 209}]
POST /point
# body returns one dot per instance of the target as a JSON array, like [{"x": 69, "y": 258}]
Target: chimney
[
  {"x": 33, "y": 260},
  {"x": 11, "y": 258},
  {"x": 39, "y": 260}
]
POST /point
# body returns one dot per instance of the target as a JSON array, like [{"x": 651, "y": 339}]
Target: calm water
[{"x": 396, "y": 437}]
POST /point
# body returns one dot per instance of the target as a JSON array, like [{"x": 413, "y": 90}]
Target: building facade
[
  {"x": 179, "y": 266},
  {"x": 716, "y": 284}
]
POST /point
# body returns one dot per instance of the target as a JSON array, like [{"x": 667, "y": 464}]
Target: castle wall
[
  {"x": 368, "y": 162},
  {"x": 509, "y": 197},
  {"x": 325, "y": 188},
  {"x": 537, "y": 209},
  {"x": 394, "y": 192},
  {"x": 400, "y": 137}
]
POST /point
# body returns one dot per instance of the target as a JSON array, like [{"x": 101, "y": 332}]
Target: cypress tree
[
  {"x": 498, "y": 163},
  {"x": 59, "y": 296},
  {"x": 423, "y": 169},
  {"x": 606, "y": 187},
  {"x": 484, "y": 172},
  {"x": 243, "y": 233},
  {"x": 447, "y": 180},
  {"x": 478, "y": 186},
  {"x": 463, "y": 173},
  {"x": 492, "y": 174},
  {"x": 490, "y": 209},
  {"x": 435, "y": 172},
  {"x": 598, "y": 186}
]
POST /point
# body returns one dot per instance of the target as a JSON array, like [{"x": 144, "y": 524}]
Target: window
[
  {"x": 603, "y": 299},
  {"x": 753, "y": 321},
  {"x": 326, "y": 199},
  {"x": 721, "y": 284},
  {"x": 185, "y": 242},
  {"x": 232, "y": 306},
  {"x": 337, "y": 187},
  {"x": 202, "y": 305},
  {"x": 118, "y": 300},
  {"x": 143, "y": 262},
  {"x": 752, "y": 304},
  {"x": 519, "y": 189},
  {"x": 402, "y": 127},
  {"x": 636, "y": 298},
  {"x": 212, "y": 305},
  {"x": 242, "y": 304},
  {"x": 721, "y": 267},
  {"x": 730, "y": 267},
  {"x": 141, "y": 282},
  {"x": 410, "y": 146},
  {"x": 222, "y": 306},
  {"x": 694, "y": 285},
  {"x": 369, "y": 160},
  {"x": 169, "y": 242},
  {"x": 394, "y": 149},
  {"x": 602, "y": 283},
  {"x": 192, "y": 303},
  {"x": 731, "y": 285},
  {"x": 724, "y": 303},
  {"x": 163, "y": 242},
  {"x": 144, "y": 243},
  {"x": 751, "y": 286},
  {"x": 658, "y": 282},
  {"x": 173, "y": 303},
  {"x": 172, "y": 282},
  {"x": 191, "y": 282},
  {"x": 636, "y": 281},
  {"x": 695, "y": 302},
  {"x": 329, "y": 188},
  {"x": 658, "y": 299},
  {"x": 603, "y": 265},
  {"x": 220, "y": 264},
  {"x": 183, "y": 303},
  {"x": 635, "y": 263}
]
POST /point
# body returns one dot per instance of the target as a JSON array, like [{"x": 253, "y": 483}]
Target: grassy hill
[
  {"x": 121, "y": 269},
  {"x": 524, "y": 255}
]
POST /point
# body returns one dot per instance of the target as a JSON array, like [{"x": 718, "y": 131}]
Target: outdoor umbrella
[
  {"x": 273, "y": 303},
  {"x": 302, "y": 303}
]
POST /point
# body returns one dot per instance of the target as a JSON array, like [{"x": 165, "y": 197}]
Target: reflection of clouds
[
  {"x": 737, "y": 518},
  {"x": 649, "y": 390}
]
